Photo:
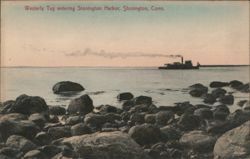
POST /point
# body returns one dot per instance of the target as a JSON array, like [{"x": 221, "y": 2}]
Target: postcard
[{"x": 124, "y": 79}]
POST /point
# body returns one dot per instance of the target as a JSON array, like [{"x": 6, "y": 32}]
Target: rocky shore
[{"x": 31, "y": 129}]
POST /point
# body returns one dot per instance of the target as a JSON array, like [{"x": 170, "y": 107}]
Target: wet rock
[
  {"x": 38, "y": 119},
  {"x": 67, "y": 86},
  {"x": 125, "y": 96},
  {"x": 82, "y": 105},
  {"x": 198, "y": 140},
  {"x": 170, "y": 133},
  {"x": 217, "y": 84},
  {"x": 34, "y": 154},
  {"x": 149, "y": 118},
  {"x": 10, "y": 126},
  {"x": 106, "y": 145},
  {"x": 42, "y": 138},
  {"x": 221, "y": 112},
  {"x": 235, "y": 84},
  {"x": 219, "y": 92},
  {"x": 188, "y": 122},
  {"x": 197, "y": 90},
  {"x": 59, "y": 132},
  {"x": 218, "y": 127},
  {"x": 57, "y": 110},
  {"x": 209, "y": 99},
  {"x": 234, "y": 143},
  {"x": 145, "y": 134},
  {"x": 20, "y": 143},
  {"x": 80, "y": 129},
  {"x": 143, "y": 100},
  {"x": 164, "y": 117},
  {"x": 112, "y": 117},
  {"x": 72, "y": 120},
  {"x": 228, "y": 99},
  {"x": 198, "y": 106},
  {"x": 28, "y": 105},
  {"x": 204, "y": 113},
  {"x": 238, "y": 117}
]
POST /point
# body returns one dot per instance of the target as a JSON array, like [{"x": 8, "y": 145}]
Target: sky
[{"x": 209, "y": 32}]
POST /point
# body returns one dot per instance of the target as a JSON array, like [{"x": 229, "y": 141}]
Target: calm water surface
[{"x": 103, "y": 84}]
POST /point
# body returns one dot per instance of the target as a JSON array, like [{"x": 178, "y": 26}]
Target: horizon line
[{"x": 209, "y": 65}]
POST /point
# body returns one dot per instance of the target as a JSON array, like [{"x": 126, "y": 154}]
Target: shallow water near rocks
[{"x": 166, "y": 87}]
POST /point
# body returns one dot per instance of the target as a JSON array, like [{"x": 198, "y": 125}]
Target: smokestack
[{"x": 181, "y": 60}]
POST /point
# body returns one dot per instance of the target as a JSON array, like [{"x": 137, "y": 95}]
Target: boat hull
[{"x": 178, "y": 68}]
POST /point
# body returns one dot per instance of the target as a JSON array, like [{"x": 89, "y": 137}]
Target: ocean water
[{"x": 166, "y": 87}]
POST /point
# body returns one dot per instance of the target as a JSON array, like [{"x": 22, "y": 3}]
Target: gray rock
[
  {"x": 42, "y": 138},
  {"x": 137, "y": 118},
  {"x": 10, "y": 125},
  {"x": 219, "y": 92},
  {"x": 198, "y": 141},
  {"x": 67, "y": 86},
  {"x": 234, "y": 143},
  {"x": 188, "y": 122},
  {"x": 20, "y": 143},
  {"x": 57, "y": 110},
  {"x": 28, "y": 105},
  {"x": 197, "y": 90},
  {"x": 143, "y": 100},
  {"x": 217, "y": 84},
  {"x": 227, "y": 99},
  {"x": 38, "y": 119},
  {"x": 80, "y": 129},
  {"x": 235, "y": 84},
  {"x": 145, "y": 134},
  {"x": 164, "y": 117},
  {"x": 72, "y": 120},
  {"x": 82, "y": 105},
  {"x": 209, "y": 99},
  {"x": 34, "y": 154},
  {"x": 59, "y": 132},
  {"x": 11, "y": 152},
  {"x": 204, "y": 113},
  {"x": 106, "y": 145},
  {"x": 125, "y": 96},
  {"x": 221, "y": 112},
  {"x": 149, "y": 118},
  {"x": 170, "y": 133}
]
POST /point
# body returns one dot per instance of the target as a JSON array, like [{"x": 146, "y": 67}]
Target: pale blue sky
[{"x": 208, "y": 32}]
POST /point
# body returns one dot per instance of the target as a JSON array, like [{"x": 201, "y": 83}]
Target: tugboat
[{"x": 180, "y": 65}]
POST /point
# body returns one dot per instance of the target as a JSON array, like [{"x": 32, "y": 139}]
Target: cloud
[{"x": 104, "y": 54}]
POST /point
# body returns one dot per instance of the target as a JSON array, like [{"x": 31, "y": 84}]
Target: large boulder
[
  {"x": 20, "y": 143},
  {"x": 67, "y": 86},
  {"x": 145, "y": 134},
  {"x": 106, "y": 145},
  {"x": 234, "y": 143},
  {"x": 80, "y": 129},
  {"x": 82, "y": 105},
  {"x": 28, "y": 105},
  {"x": 10, "y": 125},
  {"x": 217, "y": 84},
  {"x": 125, "y": 96},
  {"x": 198, "y": 140}
]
